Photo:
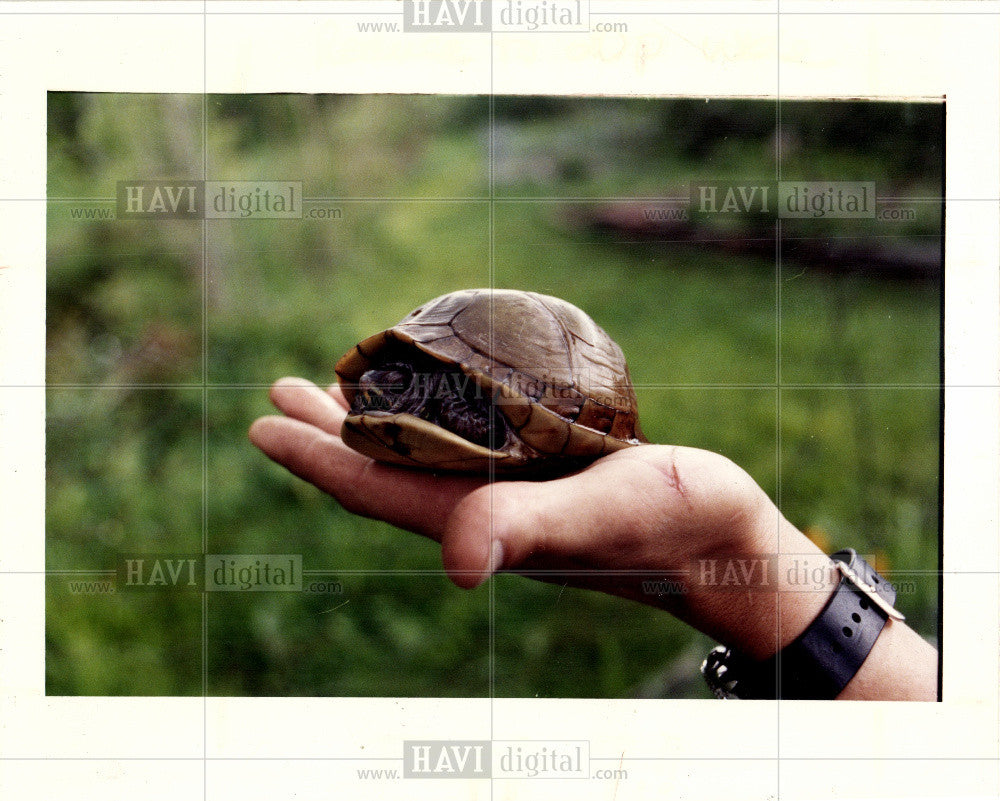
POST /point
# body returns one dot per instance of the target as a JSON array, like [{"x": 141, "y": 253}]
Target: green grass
[{"x": 138, "y": 463}]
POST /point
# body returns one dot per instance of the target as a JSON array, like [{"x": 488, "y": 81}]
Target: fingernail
[{"x": 496, "y": 556}]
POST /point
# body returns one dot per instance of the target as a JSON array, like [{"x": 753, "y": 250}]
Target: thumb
[
  {"x": 503, "y": 524},
  {"x": 468, "y": 550},
  {"x": 482, "y": 534},
  {"x": 605, "y": 516}
]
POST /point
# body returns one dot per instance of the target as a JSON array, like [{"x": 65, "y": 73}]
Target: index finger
[
  {"x": 412, "y": 499},
  {"x": 304, "y": 401},
  {"x": 335, "y": 392}
]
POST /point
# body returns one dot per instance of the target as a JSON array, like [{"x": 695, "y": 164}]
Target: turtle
[{"x": 494, "y": 381}]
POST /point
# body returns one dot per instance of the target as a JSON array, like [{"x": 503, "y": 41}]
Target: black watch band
[{"x": 820, "y": 662}]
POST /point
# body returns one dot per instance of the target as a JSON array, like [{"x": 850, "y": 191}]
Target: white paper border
[{"x": 711, "y": 49}]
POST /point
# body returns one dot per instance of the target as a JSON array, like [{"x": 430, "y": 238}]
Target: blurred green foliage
[{"x": 163, "y": 336}]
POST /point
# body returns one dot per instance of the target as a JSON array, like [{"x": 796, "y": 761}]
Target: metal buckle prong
[{"x": 869, "y": 590}]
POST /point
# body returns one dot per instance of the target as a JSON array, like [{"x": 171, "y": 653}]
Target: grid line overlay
[
  {"x": 491, "y": 199},
  {"x": 204, "y": 407},
  {"x": 492, "y": 268},
  {"x": 778, "y": 499}
]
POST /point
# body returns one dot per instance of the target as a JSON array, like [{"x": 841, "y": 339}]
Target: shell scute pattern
[{"x": 559, "y": 381}]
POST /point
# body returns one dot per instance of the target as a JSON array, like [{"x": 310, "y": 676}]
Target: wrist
[
  {"x": 760, "y": 600},
  {"x": 902, "y": 666},
  {"x": 851, "y": 650}
]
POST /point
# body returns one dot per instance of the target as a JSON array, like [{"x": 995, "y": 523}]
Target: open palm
[{"x": 642, "y": 513}]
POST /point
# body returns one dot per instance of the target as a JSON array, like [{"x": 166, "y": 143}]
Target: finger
[
  {"x": 503, "y": 525},
  {"x": 304, "y": 401},
  {"x": 410, "y": 499},
  {"x": 527, "y": 519},
  {"x": 607, "y": 516},
  {"x": 305, "y": 450},
  {"x": 335, "y": 392},
  {"x": 471, "y": 549}
]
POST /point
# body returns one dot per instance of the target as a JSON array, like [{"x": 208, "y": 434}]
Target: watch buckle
[{"x": 870, "y": 591}]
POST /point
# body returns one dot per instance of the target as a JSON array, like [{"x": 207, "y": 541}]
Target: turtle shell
[{"x": 559, "y": 381}]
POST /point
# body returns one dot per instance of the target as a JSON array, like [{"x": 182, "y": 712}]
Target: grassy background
[{"x": 162, "y": 338}]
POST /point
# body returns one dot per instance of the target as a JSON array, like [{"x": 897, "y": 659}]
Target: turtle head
[
  {"x": 386, "y": 388},
  {"x": 410, "y": 408},
  {"x": 432, "y": 392}
]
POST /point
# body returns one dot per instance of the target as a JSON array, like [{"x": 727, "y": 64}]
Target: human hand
[{"x": 635, "y": 516}]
